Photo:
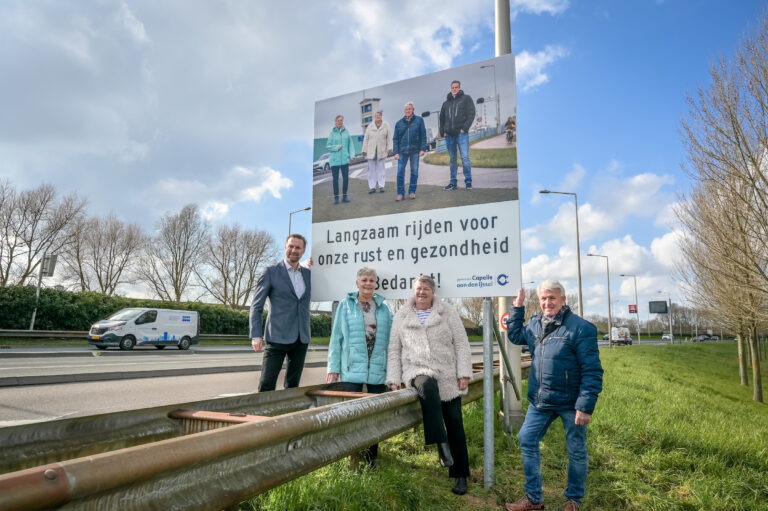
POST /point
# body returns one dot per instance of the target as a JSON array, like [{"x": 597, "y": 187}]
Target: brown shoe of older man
[
  {"x": 570, "y": 506},
  {"x": 524, "y": 505}
]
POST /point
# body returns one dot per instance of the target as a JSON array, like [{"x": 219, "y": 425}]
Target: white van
[{"x": 156, "y": 327}]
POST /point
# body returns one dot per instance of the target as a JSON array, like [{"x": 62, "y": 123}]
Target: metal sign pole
[{"x": 488, "y": 394}]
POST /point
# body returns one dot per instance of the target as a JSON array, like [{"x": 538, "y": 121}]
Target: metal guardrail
[{"x": 206, "y": 470}]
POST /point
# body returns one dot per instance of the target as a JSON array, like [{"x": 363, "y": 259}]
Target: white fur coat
[{"x": 438, "y": 348}]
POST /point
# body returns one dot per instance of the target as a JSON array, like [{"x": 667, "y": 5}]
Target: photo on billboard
[{"x": 467, "y": 235}]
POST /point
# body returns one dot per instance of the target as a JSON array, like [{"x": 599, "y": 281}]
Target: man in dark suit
[{"x": 287, "y": 285}]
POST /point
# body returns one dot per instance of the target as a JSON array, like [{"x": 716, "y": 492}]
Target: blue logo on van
[{"x": 186, "y": 319}]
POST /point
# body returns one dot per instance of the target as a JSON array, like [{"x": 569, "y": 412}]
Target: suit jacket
[{"x": 288, "y": 317}]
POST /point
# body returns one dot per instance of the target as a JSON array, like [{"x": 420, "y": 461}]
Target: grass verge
[
  {"x": 482, "y": 158},
  {"x": 673, "y": 430}
]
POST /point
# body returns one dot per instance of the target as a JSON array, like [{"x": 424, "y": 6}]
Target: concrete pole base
[{"x": 512, "y": 422}]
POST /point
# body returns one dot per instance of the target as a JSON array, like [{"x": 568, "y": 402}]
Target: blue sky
[{"x": 143, "y": 106}]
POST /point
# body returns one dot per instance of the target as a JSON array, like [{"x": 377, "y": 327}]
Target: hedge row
[{"x": 64, "y": 310}]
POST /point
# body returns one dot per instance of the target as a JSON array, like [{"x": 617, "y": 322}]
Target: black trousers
[
  {"x": 344, "y": 179},
  {"x": 272, "y": 362},
  {"x": 372, "y": 451},
  {"x": 443, "y": 423}
]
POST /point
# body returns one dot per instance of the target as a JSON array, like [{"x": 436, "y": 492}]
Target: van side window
[{"x": 147, "y": 317}]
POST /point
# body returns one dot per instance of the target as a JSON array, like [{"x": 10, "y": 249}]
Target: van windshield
[{"x": 125, "y": 314}]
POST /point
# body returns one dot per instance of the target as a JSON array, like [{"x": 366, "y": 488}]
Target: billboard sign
[
  {"x": 632, "y": 309},
  {"x": 467, "y": 237},
  {"x": 658, "y": 307}
]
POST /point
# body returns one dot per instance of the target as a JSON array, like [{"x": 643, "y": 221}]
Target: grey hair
[
  {"x": 366, "y": 271},
  {"x": 410, "y": 103},
  {"x": 551, "y": 285},
  {"x": 380, "y": 112},
  {"x": 337, "y": 117},
  {"x": 427, "y": 280}
]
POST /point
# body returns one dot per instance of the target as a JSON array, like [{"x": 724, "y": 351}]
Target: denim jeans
[
  {"x": 344, "y": 178},
  {"x": 404, "y": 159},
  {"x": 462, "y": 141},
  {"x": 534, "y": 428}
]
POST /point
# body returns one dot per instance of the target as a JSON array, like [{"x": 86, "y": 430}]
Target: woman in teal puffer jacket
[
  {"x": 341, "y": 148},
  {"x": 357, "y": 353}
]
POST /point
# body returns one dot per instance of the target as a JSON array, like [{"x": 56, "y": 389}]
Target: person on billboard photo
[
  {"x": 342, "y": 148},
  {"x": 377, "y": 145},
  {"x": 357, "y": 352},
  {"x": 456, "y": 116},
  {"x": 409, "y": 144}
]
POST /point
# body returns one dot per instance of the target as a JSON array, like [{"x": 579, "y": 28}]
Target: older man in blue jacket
[
  {"x": 566, "y": 377},
  {"x": 408, "y": 144}
]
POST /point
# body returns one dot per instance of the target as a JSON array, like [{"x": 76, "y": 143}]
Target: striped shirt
[{"x": 422, "y": 314}]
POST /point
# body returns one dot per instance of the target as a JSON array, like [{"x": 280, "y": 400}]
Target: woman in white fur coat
[{"x": 429, "y": 351}]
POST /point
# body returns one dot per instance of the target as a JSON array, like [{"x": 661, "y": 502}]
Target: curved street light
[
  {"x": 637, "y": 309},
  {"x": 290, "y": 217},
  {"x": 578, "y": 245},
  {"x": 608, "y": 276}
]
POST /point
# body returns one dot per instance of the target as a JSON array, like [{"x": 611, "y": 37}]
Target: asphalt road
[
  {"x": 36, "y": 403},
  {"x": 84, "y": 381}
]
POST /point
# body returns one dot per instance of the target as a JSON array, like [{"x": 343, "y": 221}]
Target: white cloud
[
  {"x": 531, "y": 66},
  {"x": 573, "y": 178},
  {"x": 218, "y": 194},
  {"x": 666, "y": 250},
  {"x": 538, "y": 6}
]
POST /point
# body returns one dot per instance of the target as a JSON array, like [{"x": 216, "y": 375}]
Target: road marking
[{"x": 6, "y": 424}]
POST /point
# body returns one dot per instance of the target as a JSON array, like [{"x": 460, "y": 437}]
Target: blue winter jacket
[
  {"x": 340, "y": 138},
  {"x": 348, "y": 351},
  {"x": 565, "y": 370},
  {"x": 410, "y": 136}
]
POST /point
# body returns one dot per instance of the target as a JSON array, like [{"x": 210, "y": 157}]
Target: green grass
[
  {"x": 482, "y": 158},
  {"x": 673, "y": 430}
]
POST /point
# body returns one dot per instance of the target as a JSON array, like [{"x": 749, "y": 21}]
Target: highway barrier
[{"x": 205, "y": 455}]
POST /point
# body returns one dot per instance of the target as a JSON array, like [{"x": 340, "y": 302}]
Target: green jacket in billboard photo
[{"x": 344, "y": 139}]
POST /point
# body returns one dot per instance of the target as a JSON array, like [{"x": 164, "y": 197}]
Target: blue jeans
[
  {"x": 404, "y": 159},
  {"x": 534, "y": 428},
  {"x": 462, "y": 141}
]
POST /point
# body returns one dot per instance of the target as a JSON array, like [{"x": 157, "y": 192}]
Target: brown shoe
[
  {"x": 570, "y": 506},
  {"x": 524, "y": 505}
]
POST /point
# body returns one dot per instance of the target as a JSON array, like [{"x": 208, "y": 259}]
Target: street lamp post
[
  {"x": 578, "y": 245},
  {"x": 610, "y": 317},
  {"x": 290, "y": 217},
  {"x": 637, "y": 308},
  {"x": 671, "y": 332},
  {"x": 495, "y": 96}
]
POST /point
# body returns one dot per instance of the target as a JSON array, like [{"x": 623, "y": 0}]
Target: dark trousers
[
  {"x": 272, "y": 362},
  {"x": 344, "y": 179},
  {"x": 371, "y": 452},
  {"x": 443, "y": 423}
]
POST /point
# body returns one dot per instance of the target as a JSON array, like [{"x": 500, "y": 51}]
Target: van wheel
[
  {"x": 160, "y": 347},
  {"x": 184, "y": 343},
  {"x": 127, "y": 342}
]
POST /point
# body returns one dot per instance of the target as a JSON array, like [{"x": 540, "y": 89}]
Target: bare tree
[
  {"x": 175, "y": 253},
  {"x": 234, "y": 258},
  {"x": 726, "y": 137},
  {"x": 102, "y": 253},
  {"x": 32, "y": 223}
]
